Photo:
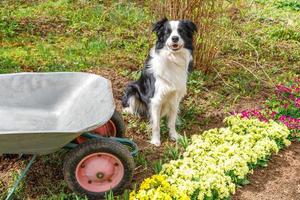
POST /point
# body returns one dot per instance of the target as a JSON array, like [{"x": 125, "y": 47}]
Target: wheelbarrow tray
[{"x": 42, "y": 112}]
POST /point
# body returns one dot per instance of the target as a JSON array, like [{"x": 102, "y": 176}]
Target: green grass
[
  {"x": 69, "y": 35},
  {"x": 289, "y": 4},
  {"x": 259, "y": 46},
  {"x": 140, "y": 160}
]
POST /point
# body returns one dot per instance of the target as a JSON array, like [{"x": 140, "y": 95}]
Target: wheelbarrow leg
[{"x": 23, "y": 174}]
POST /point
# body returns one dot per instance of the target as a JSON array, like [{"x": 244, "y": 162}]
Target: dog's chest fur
[{"x": 170, "y": 71}]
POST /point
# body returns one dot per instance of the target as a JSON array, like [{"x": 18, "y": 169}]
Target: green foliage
[
  {"x": 187, "y": 117},
  {"x": 8, "y": 27},
  {"x": 140, "y": 160},
  {"x": 285, "y": 34},
  {"x": 263, "y": 162},
  {"x": 172, "y": 152},
  {"x": 259, "y": 42},
  {"x": 289, "y": 111},
  {"x": 19, "y": 190},
  {"x": 195, "y": 194},
  {"x": 124, "y": 196},
  {"x": 233, "y": 177},
  {"x": 64, "y": 196},
  {"x": 196, "y": 81},
  {"x": 285, "y": 104},
  {"x": 157, "y": 166},
  {"x": 2, "y": 190},
  {"x": 109, "y": 195},
  {"x": 290, "y": 4},
  {"x": 184, "y": 141}
]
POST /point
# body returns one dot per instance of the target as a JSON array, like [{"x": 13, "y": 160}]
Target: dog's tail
[{"x": 133, "y": 103}]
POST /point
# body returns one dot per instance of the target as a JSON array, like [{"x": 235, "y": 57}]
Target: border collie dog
[{"x": 162, "y": 84}]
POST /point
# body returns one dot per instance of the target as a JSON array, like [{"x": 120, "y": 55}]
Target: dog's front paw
[
  {"x": 127, "y": 110},
  {"x": 155, "y": 142},
  {"x": 174, "y": 136}
]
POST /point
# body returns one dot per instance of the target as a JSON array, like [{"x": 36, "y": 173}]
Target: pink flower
[
  {"x": 297, "y": 102},
  {"x": 283, "y": 89},
  {"x": 286, "y": 97},
  {"x": 290, "y": 122},
  {"x": 286, "y": 105},
  {"x": 273, "y": 114}
]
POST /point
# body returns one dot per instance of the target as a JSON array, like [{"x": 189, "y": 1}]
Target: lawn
[{"x": 258, "y": 47}]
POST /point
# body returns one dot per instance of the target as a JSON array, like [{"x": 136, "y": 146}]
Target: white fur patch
[
  {"x": 170, "y": 71},
  {"x": 135, "y": 106}
]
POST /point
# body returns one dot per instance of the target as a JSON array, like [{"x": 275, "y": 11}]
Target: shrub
[{"x": 204, "y": 13}]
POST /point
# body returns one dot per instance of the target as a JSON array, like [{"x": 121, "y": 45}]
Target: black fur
[
  {"x": 186, "y": 30},
  {"x": 161, "y": 29},
  {"x": 190, "y": 67},
  {"x": 143, "y": 88}
]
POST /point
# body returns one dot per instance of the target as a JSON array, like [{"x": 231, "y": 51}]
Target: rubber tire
[
  {"x": 106, "y": 145},
  {"x": 118, "y": 121}
]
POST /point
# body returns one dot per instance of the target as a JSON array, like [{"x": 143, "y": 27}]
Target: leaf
[{"x": 245, "y": 182}]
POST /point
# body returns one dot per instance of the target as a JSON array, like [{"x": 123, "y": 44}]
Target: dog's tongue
[{"x": 175, "y": 46}]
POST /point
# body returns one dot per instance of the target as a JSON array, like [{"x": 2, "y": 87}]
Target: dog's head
[{"x": 174, "y": 35}]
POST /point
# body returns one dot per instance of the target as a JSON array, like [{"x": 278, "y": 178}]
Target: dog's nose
[{"x": 175, "y": 39}]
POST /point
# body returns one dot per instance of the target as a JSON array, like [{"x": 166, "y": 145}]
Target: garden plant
[
  {"x": 216, "y": 161},
  {"x": 240, "y": 119}
]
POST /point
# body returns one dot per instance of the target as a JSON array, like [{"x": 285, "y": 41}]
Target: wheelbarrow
[{"x": 41, "y": 113}]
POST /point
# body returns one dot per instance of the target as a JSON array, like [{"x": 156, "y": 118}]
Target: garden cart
[{"x": 41, "y": 113}]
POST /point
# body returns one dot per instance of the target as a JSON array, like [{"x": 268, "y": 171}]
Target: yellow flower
[{"x": 214, "y": 160}]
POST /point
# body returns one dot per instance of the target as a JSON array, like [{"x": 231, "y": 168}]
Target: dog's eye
[
  {"x": 168, "y": 31},
  {"x": 180, "y": 30}
]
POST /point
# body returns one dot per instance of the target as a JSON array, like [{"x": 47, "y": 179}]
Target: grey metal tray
[{"x": 42, "y": 112}]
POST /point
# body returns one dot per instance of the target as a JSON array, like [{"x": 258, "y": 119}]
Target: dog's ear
[
  {"x": 158, "y": 25},
  {"x": 190, "y": 25}
]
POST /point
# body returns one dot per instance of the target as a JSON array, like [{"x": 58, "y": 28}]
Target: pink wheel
[
  {"x": 98, "y": 166},
  {"x": 108, "y": 130},
  {"x": 115, "y": 127},
  {"x": 99, "y": 172}
]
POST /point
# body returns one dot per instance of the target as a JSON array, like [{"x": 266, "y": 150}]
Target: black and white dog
[{"x": 162, "y": 84}]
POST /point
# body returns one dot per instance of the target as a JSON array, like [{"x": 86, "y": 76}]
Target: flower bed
[
  {"x": 216, "y": 161},
  {"x": 283, "y": 106}
]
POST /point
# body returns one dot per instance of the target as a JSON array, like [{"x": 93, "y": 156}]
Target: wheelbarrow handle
[
  {"x": 20, "y": 178},
  {"x": 127, "y": 142}
]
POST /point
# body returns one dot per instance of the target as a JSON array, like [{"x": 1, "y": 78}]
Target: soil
[
  {"x": 41, "y": 27},
  {"x": 280, "y": 180}
]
